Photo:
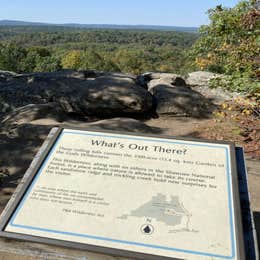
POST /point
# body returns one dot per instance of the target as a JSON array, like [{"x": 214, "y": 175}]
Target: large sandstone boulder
[
  {"x": 170, "y": 82},
  {"x": 180, "y": 101},
  {"x": 28, "y": 113},
  {"x": 66, "y": 73},
  {"x": 200, "y": 78},
  {"x": 199, "y": 81},
  {"x": 163, "y": 75},
  {"x": 99, "y": 94},
  {"x": 110, "y": 95},
  {"x": 152, "y": 79}
]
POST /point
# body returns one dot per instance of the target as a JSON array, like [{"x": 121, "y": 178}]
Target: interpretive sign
[{"x": 143, "y": 196}]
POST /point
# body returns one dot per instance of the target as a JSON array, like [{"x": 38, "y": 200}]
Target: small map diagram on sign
[{"x": 172, "y": 213}]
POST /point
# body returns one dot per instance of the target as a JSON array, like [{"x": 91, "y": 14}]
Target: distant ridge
[{"x": 101, "y": 26}]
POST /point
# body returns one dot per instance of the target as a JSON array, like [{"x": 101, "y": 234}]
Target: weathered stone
[
  {"x": 180, "y": 101},
  {"x": 153, "y": 79},
  {"x": 101, "y": 96},
  {"x": 161, "y": 75},
  {"x": 199, "y": 81},
  {"x": 200, "y": 78},
  {"x": 115, "y": 96},
  {"x": 159, "y": 82},
  {"x": 29, "y": 132},
  {"x": 169, "y": 82},
  {"x": 66, "y": 73},
  {"x": 26, "y": 114}
]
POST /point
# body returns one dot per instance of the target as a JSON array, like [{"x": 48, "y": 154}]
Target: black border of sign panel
[{"x": 108, "y": 250}]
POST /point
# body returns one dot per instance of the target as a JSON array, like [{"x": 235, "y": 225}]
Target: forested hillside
[
  {"x": 228, "y": 45},
  {"x": 53, "y": 48}
]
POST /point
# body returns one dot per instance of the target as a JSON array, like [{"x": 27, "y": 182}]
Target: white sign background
[{"x": 207, "y": 231}]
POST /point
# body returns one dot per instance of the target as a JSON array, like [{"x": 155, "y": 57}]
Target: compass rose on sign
[{"x": 147, "y": 229}]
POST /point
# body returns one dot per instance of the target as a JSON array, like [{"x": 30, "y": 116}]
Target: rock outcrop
[
  {"x": 98, "y": 95},
  {"x": 200, "y": 81},
  {"x": 84, "y": 93},
  {"x": 153, "y": 79},
  {"x": 200, "y": 78},
  {"x": 173, "y": 96},
  {"x": 32, "y": 112},
  {"x": 181, "y": 101}
]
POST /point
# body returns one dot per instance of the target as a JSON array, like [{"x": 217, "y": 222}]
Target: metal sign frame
[{"x": 108, "y": 250}]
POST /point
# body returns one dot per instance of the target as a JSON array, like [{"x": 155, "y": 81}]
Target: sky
[{"x": 132, "y": 12}]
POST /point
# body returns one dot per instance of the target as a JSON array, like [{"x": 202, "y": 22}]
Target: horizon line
[{"x": 79, "y": 23}]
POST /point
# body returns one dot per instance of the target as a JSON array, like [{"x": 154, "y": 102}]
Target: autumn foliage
[{"x": 230, "y": 44}]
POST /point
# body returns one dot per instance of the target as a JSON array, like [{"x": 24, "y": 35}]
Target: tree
[
  {"x": 33, "y": 58},
  {"x": 130, "y": 61},
  {"x": 11, "y": 56},
  {"x": 229, "y": 43},
  {"x": 92, "y": 60},
  {"x": 47, "y": 64},
  {"x": 72, "y": 60},
  {"x": 83, "y": 60}
]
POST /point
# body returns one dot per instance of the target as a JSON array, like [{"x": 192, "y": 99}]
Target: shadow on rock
[
  {"x": 181, "y": 101},
  {"x": 102, "y": 96},
  {"x": 32, "y": 112}
]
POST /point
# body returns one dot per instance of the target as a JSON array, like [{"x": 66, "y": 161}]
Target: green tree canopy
[
  {"x": 230, "y": 43},
  {"x": 11, "y": 55}
]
